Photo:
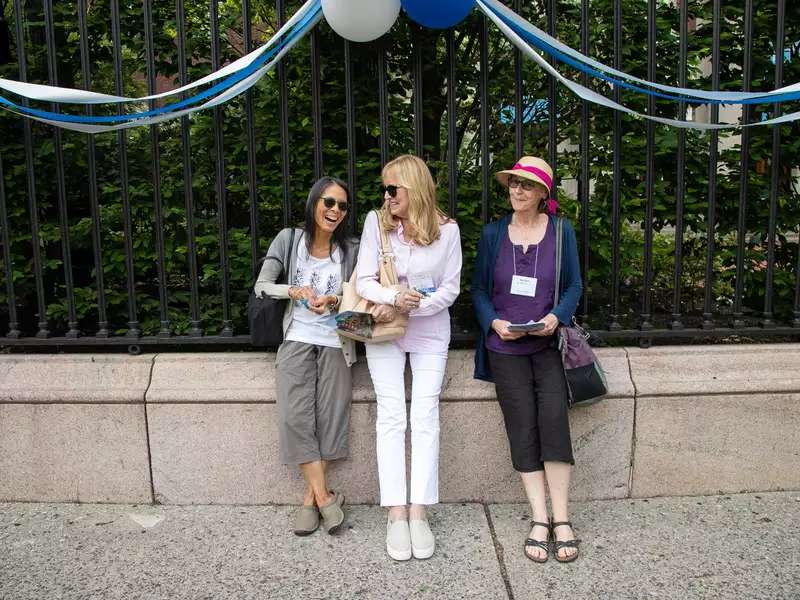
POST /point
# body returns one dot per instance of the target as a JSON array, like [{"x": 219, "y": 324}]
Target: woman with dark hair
[
  {"x": 313, "y": 383},
  {"x": 514, "y": 283}
]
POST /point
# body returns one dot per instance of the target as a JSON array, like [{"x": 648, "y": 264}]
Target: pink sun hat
[
  {"x": 534, "y": 169},
  {"x": 529, "y": 167}
]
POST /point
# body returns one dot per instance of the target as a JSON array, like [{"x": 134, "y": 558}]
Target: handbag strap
[
  {"x": 559, "y": 240},
  {"x": 387, "y": 255},
  {"x": 288, "y": 257}
]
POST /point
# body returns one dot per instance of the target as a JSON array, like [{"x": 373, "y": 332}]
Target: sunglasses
[
  {"x": 390, "y": 189},
  {"x": 525, "y": 184},
  {"x": 331, "y": 202}
]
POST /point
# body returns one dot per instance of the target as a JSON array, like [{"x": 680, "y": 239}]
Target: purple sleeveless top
[{"x": 521, "y": 309}]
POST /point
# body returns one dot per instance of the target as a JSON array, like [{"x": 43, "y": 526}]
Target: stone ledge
[
  {"x": 716, "y": 444},
  {"x": 719, "y": 369},
  {"x": 73, "y": 453},
  {"x": 249, "y": 377},
  {"x": 228, "y": 454},
  {"x": 74, "y": 378}
]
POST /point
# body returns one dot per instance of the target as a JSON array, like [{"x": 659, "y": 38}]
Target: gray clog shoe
[
  {"x": 306, "y": 520},
  {"x": 332, "y": 514}
]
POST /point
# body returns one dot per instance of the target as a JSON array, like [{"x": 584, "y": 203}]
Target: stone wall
[{"x": 199, "y": 428}]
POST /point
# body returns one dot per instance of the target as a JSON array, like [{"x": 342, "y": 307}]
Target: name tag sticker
[
  {"x": 422, "y": 282},
  {"x": 523, "y": 286}
]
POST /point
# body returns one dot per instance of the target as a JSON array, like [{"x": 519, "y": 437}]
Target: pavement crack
[
  {"x": 500, "y": 552},
  {"x": 633, "y": 427},
  {"x": 147, "y": 431}
]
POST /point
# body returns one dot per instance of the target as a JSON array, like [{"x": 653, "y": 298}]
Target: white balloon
[{"x": 361, "y": 20}]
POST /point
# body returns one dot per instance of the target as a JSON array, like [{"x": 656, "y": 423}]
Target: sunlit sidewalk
[{"x": 739, "y": 546}]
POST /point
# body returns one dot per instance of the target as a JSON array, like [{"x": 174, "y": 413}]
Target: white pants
[{"x": 387, "y": 364}]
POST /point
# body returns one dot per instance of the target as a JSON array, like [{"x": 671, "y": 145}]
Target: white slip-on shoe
[
  {"x": 422, "y": 541},
  {"x": 398, "y": 540}
]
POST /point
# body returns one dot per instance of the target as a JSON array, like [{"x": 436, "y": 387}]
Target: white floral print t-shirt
[{"x": 325, "y": 276}]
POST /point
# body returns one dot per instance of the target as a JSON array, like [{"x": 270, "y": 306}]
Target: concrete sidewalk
[{"x": 739, "y": 547}]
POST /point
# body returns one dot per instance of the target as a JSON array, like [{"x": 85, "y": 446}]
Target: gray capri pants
[{"x": 314, "y": 392}]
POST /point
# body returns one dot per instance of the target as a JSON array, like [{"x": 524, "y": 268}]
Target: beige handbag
[{"x": 368, "y": 330}]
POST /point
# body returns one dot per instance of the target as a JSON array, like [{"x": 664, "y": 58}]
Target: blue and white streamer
[
  {"x": 592, "y": 96},
  {"x": 243, "y": 73},
  {"x": 249, "y": 70},
  {"x": 48, "y": 93},
  {"x": 540, "y": 39}
]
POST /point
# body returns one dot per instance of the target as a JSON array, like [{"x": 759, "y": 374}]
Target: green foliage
[{"x": 111, "y": 187}]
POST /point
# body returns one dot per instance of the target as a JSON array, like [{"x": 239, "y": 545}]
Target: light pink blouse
[{"x": 429, "y": 325}]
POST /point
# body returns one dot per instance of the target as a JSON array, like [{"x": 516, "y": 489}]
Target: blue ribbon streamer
[{"x": 231, "y": 80}]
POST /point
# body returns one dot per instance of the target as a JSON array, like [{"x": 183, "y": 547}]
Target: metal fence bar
[
  {"x": 122, "y": 144},
  {"x": 767, "y": 320},
  {"x": 13, "y": 325},
  {"x": 711, "y": 218},
  {"x": 644, "y": 317},
  {"x": 459, "y": 339},
  {"x": 680, "y": 184},
  {"x": 165, "y": 327},
  {"x": 94, "y": 206},
  {"x": 452, "y": 131},
  {"x": 283, "y": 115},
  {"x": 350, "y": 116},
  {"x": 518, "y": 100},
  {"x": 552, "y": 107},
  {"x": 419, "y": 117},
  {"x": 616, "y": 191},
  {"x": 63, "y": 215},
  {"x": 741, "y": 232},
  {"x": 250, "y": 120},
  {"x": 195, "y": 324},
  {"x": 221, "y": 188},
  {"x": 33, "y": 208},
  {"x": 316, "y": 101},
  {"x": 583, "y": 182},
  {"x": 484, "y": 130},
  {"x": 383, "y": 102},
  {"x": 796, "y": 311}
]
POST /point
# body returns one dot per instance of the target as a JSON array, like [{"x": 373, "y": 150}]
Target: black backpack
[{"x": 265, "y": 314}]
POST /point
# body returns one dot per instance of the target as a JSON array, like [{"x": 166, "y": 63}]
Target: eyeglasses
[
  {"x": 331, "y": 202},
  {"x": 525, "y": 184},
  {"x": 391, "y": 189}
]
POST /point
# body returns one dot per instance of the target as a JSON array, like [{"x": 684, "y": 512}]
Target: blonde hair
[{"x": 424, "y": 215}]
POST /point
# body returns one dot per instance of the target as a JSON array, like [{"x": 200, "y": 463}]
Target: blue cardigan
[{"x": 483, "y": 284}]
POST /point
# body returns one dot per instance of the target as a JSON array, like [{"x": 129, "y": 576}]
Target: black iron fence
[{"x": 152, "y": 235}]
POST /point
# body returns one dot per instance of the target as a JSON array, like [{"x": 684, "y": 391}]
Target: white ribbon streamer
[
  {"x": 47, "y": 93},
  {"x": 231, "y": 92},
  {"x": 592, "y": 96}
]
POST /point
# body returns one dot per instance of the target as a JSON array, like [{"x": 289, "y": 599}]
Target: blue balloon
[{"x": 438, "y": 14}]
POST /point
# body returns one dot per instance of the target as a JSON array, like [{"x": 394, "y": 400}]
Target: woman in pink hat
[{"x": 513, "y": 289}]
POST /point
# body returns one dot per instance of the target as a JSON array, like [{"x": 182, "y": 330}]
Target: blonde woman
[{"x": 427, "y": 254}]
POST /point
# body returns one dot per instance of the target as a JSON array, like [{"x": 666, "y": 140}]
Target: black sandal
[
  {"x": 557, "y": 545},
  {"x": 542, "y": 544}
]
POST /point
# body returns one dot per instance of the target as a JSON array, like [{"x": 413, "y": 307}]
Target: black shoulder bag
[
  {"x": 586, "y": 379},
  {"x": 265, "y": 314}
]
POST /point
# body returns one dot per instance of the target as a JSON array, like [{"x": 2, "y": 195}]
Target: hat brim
[{"x": 503, "y": 177}]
